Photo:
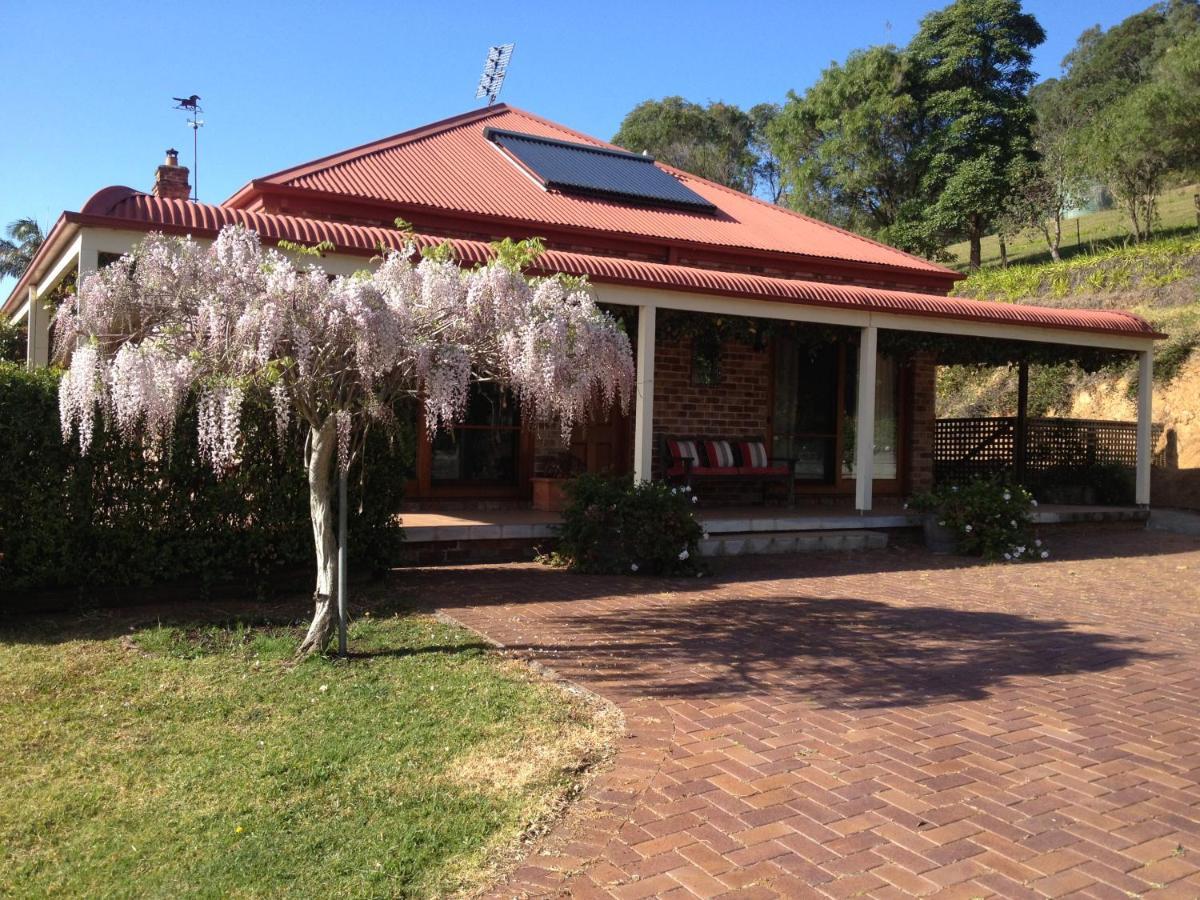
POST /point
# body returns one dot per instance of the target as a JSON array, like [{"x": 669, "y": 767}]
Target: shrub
[
  {"x": 989, "y": 518},
  {"x": 122, "y": 517},
  {"x": 616, "y": 526}
]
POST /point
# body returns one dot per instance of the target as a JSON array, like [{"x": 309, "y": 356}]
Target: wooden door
[{"x": 602, "y": 445}]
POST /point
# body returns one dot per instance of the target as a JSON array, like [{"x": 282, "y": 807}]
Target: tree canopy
[
  {"x": 712, "y": 141},
  {"x": 18, "y": 249}
]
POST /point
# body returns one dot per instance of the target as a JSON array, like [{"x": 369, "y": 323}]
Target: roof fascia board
[
  {"x": 826, "y": 314},
  {"x": 62, "y": 231}
]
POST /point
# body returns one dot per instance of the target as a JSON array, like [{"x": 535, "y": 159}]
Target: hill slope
[{"x": 1159, "y": 281}]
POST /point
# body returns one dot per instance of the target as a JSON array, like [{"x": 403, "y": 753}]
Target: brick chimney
[{"x": 171, "y": 179}]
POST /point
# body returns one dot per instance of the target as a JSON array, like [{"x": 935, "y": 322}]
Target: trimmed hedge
[{"x": 121, "y": 518}]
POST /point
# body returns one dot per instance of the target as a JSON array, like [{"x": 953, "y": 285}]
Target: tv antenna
[
  {"x": 492, "y": 79},
  {"x": 191, "y": 105}
]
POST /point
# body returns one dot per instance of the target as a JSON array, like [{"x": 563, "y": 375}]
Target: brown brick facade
[
  {"x": 737, "y": 407},
  {"x": 924, "y": 412}
]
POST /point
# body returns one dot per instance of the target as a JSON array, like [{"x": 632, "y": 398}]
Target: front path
[{"x": 886, "y": 724}]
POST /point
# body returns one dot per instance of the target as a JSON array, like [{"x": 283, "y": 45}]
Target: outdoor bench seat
[{"x": 702, "y": 460}]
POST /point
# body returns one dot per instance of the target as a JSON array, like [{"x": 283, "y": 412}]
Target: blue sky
[{"x": 88, "y": 98}]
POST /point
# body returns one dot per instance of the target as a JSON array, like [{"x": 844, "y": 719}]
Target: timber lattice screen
[{"x": 982, "y": 447}]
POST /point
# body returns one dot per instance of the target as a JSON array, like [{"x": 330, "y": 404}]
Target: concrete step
[
  {"x": 757, "y": 542},
  {"x": 1180, "y": 521}
]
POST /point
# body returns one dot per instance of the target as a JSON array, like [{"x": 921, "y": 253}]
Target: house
[{"x": 749, "y": 319}]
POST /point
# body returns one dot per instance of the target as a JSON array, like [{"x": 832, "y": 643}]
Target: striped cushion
[
  {"x": 720, "y": 454},
  {"x": 754, "y": 454},
  {"x": 681, "y": 450}
]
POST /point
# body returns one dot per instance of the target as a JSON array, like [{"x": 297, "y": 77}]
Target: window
[{"x": 484, "y": 448}]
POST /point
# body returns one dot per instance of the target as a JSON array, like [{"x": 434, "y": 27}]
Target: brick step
[{"x": 757, "y": 542}]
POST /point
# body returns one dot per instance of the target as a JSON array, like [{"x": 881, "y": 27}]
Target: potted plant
[
  {"x": 548, "y": 494},
  {"x": 985, "y": 518}
]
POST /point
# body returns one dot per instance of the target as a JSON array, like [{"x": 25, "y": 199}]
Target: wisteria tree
[{"x": 173, "y": 317}]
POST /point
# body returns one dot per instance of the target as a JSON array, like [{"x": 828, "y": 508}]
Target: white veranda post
[
  {"x": 643, "y": 422},
  {"x": 1144, "y": 434},
  {"x": 864, "y": 432}
]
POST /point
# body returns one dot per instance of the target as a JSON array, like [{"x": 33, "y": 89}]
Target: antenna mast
[
  {"x": 494, "y": 68},
  {"x": 191, "y": 105}
]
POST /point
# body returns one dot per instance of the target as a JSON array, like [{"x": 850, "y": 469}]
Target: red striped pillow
[
  {"x": 720, "y": 454},
  {"x": 681, "y": 450},
  {"x": 754, "y": 455}
]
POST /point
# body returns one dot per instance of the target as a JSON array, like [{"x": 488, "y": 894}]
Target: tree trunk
[
  {"x": 319, "y": 461},
  {"x": 1053, "y": 240},
  {"x": 976, "y": 250}
]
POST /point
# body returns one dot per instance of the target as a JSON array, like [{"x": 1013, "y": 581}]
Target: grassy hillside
[
  {"x": 1176, "y": 211},
  {"x": 1159, "y": 281}
]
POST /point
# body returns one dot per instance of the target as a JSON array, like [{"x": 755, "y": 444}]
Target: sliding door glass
[
  {"x": 805, "y": 414},
  {"x": 887, "y": 416}
]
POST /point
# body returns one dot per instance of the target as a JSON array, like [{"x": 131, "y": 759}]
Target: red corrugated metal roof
[
  {"x": 126, "y": 208},
  {"x": 451, "y": 167}
]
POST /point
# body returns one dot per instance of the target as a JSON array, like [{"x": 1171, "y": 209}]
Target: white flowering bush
[
  {"x": 989, "y": 518},
  {"x": 619, "y": 527},
  {"x": 173, "y": 319}
]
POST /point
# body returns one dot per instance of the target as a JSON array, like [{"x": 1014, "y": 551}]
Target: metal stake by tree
[{"x": 342, "y": 555}]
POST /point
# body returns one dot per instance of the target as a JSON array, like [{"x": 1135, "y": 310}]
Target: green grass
[
  {"x": 1154, "y": 264},
  {"x": 1176, "y": 216},
  {"x": 171, "y": 760}
]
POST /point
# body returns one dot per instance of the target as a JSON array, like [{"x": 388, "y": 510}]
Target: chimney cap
[{"x": 172, "y": 157}]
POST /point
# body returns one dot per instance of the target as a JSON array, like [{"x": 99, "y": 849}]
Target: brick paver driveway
[{"x": 882, "y": 724}]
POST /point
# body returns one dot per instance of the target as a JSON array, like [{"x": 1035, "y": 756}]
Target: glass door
[
  {"x": 887, "y": 416},
  {"x": 485, "y": 448},
  {"x": 806, "y": 409}
]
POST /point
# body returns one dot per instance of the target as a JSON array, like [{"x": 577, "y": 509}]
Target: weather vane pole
[{"x": 191, "y": 105}]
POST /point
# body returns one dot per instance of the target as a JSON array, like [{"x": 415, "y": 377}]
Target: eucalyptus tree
[{"x": 173, "y": 317}]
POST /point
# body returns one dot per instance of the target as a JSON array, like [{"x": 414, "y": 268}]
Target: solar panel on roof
[{"x": 598, "y": 171}]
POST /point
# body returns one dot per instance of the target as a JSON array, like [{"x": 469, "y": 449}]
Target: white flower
[
  {"x": 967, "y": 528},
  {"x": 695, "y": 499},
  {"x": 683, "y": 554},
  {"x": 633, "y": 567},
  {"x": 954, "y": 487},
  {"x": 324, "y": 688},
  {"x": 1045, "y": 554},
  {"x": 906, "y": 506},
  {"x": 705, "y": 534},
  {"x": 1037, "y": 542},
  {"x": 687, "y": 488},
  {"x": 1008, "y": 556},
  {"x": 1007, "y": 495},
  {"x": 1013, "y": 523},
  {"x": 1020, "y": 551},
  {"x": 1033, "y": 503}
]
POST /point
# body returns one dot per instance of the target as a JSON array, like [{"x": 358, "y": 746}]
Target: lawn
[
  {"x": 150, "y": 759},
  {"x": 1176, "y": 215}
]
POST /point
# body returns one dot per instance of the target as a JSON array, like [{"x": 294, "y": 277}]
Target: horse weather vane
[
  {"x": 191, "y": 105},
  {"x": 492, "y": 79}
]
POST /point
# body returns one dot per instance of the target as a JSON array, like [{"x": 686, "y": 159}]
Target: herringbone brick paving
[{"x": 888, "y": 724}]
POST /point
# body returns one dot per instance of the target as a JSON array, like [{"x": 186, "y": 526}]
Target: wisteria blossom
[{"x": 174, "y": 318}]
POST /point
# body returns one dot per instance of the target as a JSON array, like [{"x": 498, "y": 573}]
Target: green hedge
[{"x": 120, "y": 518}]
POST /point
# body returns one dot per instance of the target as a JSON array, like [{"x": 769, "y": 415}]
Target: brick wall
[
  {"x": 924, "y": 413},
  {"x": 736, "y": 407}
]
